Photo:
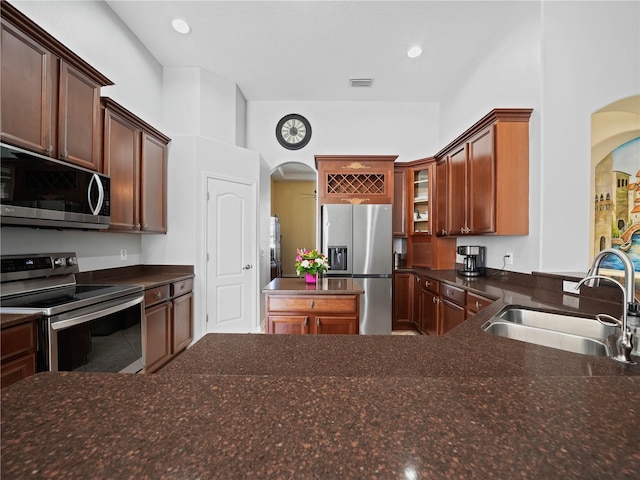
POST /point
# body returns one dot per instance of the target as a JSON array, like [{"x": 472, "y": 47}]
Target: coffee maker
[{"x": 474, "y": 261}]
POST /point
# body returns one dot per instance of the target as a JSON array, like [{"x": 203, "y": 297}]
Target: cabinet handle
[
  {"x": 418, "y": 280},
  {"x": 64, "y": 154},
  {"x": 427, "y": 283},
  {"x": 311, "y": 304},
  {"x": 306, "y": 321},
  {"x": 158, "y": 294},
  {"x": 434, "y": 300},
  {"x": 137, "y": 226},
  {"x": 318, "y": 322},
  {"x": 49, "y": 150},
  {"x": 478, "y": 305},
  {"x": 182, "y": 287}
]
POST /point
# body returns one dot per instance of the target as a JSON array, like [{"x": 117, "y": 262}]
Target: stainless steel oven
[{"x": 92, "y": 328}]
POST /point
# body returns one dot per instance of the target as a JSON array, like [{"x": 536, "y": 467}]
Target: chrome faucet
[{"x": 624, "y": 342}]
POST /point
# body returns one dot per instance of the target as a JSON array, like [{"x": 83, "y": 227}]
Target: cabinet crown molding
[{"x": 495, "y": 115}]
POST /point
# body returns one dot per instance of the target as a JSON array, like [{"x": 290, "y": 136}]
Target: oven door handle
[{"x": 101, "y": 311}]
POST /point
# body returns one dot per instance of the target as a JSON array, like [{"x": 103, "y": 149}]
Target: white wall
[{"x": 409, "y": 130}]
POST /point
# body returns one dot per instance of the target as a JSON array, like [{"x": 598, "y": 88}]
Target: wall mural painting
[{"x": 617, "y": 204}]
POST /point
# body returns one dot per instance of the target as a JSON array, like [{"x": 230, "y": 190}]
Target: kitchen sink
[{"x": 564, "y": 331}]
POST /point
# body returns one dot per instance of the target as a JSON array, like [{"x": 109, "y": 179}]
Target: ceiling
[{"x": 308, "y": 50}]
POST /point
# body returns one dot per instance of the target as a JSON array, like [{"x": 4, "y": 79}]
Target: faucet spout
[
  {"x": 624, "y": 342},
  {"x": 629, "y": 271}
]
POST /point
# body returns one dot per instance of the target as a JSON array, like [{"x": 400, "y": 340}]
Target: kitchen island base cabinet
[
  {"x": 332, "y": 306},
  {"x": 334, "y": 314}
]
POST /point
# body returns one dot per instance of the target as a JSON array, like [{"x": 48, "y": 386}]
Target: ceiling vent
[{"x": 361, "y": 82}]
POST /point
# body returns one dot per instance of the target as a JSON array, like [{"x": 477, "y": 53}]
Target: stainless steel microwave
[{"x": 37, "y": 191}]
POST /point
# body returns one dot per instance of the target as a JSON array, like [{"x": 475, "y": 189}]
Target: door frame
[{"x": 255, "y": 271}]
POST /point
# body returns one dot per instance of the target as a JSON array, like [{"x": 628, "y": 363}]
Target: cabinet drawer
[
  {"x": 475, "y": 303},
  {"x": 312, "y": 303},
  {"x": 182, "y": 287},
  {"x": 18, "y": 340},
  {"x": 454, "y": 294},
  {"x": 156, "y": 295},
  {"x": 430, "y": 285}
]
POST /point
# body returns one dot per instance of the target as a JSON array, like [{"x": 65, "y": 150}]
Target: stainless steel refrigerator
[{"x": 357, "y": 239}]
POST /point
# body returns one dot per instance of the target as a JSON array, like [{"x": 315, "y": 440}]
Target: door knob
[{"x": 246, "y": 267}]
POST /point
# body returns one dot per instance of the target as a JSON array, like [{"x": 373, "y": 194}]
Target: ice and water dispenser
[{"x": 338, "y": 259}]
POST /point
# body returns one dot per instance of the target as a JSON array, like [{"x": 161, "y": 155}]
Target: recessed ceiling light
[
  {"x": 414, "y": 52},
  {"x": 180, "y": 26}
]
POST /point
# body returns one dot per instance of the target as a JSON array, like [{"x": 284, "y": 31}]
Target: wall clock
[{"x": 293, "y": 131}]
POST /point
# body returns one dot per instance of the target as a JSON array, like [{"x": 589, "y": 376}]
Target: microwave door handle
[{"x": 95, "y": 178}]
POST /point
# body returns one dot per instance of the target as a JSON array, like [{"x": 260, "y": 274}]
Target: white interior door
[{"x": 231, "y": 246}]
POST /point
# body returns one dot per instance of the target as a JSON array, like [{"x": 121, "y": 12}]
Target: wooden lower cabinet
[
  {"x": 312, "y": 314},
  {"x": 475, "y": 303},
  {"x": 158, "y": 336},
  {"x": 402, "y": 301},
  {"x": 429, "y": 307},
  {"x": 451, "y": 316},
  {"x": 168, "y": 327},
  {"x": 18, "y": 350}
]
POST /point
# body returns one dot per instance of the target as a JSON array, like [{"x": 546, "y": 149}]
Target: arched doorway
[{"x": 293, "y": 203}]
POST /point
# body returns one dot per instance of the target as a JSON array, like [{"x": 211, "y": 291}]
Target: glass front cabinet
[{"x": 422, "y": 196}]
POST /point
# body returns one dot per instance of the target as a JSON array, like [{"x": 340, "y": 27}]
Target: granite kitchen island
[
  {"x": 464, "y": 405},
  {"x": 330, "y": 306}
]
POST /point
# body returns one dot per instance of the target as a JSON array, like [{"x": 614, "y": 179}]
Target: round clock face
[{"x": 293, "y": 131}]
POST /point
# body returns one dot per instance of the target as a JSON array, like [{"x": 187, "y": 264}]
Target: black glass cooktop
[{"x": 57, "y": 300}]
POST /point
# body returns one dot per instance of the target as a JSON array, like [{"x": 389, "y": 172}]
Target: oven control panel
[{"x": 22, "y": 267}]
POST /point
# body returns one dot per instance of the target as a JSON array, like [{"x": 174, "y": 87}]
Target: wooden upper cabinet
[
  {"x": 50, "y": 97},
  {"x": 135, "y": 157},
  {"x": 487, "y": 177},
  {"x": 153, "y": 211},
  {"x": 122, "y": 163},
  {"x": 399, "y": 216},
  {"x": 26, "y": 95},
  {"x": 78, "y": 118},
  {"x": 355, "y": 179}
]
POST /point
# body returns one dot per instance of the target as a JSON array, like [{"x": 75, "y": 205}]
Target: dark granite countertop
[
  {"x": 61, "y": 425},
  {"x": 149, "y": 276},
  {"x": 324, "y": 286},
  {"x": 465, "y": 405}
]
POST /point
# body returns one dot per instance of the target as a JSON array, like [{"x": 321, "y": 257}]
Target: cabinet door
[
  {"x": 157, "y": 337},
  {"x": 122, "y": 164},
  {"x": 429, "y": 312},
  {"x": 26, "y": 91},
  {"x": 451, "y": 316},
  {"x": 291, "y": 324},
  {"x": 482, "y": 183},
  {"x": 415, "y": 311},
  {"x": 330, "y": 324},
  {"x": 402, "y": 300},
  {"x": 18, "y": 369},
  {"x": 78, "y": 118},
  {"x": 399, "y": 202},
  {"x": 182, "y": 322},
  {"x": 441, "y": 194},
  {"x": 153, "y": 212},
  {"x": 457, "y": 191}
]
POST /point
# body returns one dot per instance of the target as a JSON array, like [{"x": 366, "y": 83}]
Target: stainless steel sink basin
[{"x": 572, "y": 333}]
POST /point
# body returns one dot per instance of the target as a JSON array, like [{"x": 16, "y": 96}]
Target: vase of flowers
[{"x": 310, "y": 263}]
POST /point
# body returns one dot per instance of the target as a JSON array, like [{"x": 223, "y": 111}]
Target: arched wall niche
[
  {"x": 615, "y": 180},
  {"x": 293, "y": 201}
]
